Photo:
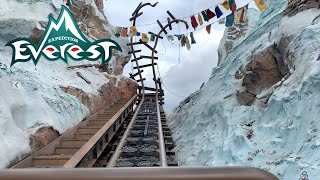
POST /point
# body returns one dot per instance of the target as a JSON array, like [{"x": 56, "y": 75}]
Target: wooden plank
[
  {"x": 147, "y": 45},
  {"x": 143, "y": 79},
  {"x": 136, "y": 16},
  {"x": 135, "y": 43},
  {"x": 136, "y": 51},
  {"x": 84, "y": 150},
  {"x": 137, "y": 73},
  {"x": 149, "y": 89},
  {"x": 144, "y": 66},
  {"x": 144, "y": 57}
]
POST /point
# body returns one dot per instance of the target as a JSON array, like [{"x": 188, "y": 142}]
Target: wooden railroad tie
[{"x": 144, "y": 66}]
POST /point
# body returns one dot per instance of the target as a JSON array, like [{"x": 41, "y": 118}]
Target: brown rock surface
[
  {"x": 262, "y": 72},
  {"x": 245, "y": 98},
  {"x": 128, "y": 88},
  {"x": 42, "y": 137},
  {"x": 296, "y": 6},
  {"x": 109, "y": 93}
]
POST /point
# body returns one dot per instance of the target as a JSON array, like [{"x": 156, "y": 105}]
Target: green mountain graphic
[{"x": 63, "y": 40}]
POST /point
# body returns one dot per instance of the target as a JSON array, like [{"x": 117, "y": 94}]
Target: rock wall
[
  {"x": 260, "y": 106},
  {"x": 39, "y": 102},
  {"x": 296, "y": 6}
]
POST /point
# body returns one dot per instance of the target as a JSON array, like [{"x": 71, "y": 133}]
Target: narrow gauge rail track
[
  {"x": 122, "y": 136},
  {"x": 118, "y": 136}
]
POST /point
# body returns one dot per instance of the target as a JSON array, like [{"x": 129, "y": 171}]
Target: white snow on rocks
[
  {"x": 30, "y": 96},
  {"x": 212, "y": 129}
]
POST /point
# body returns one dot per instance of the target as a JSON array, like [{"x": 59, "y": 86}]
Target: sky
[{"x": 181, "y": 70}]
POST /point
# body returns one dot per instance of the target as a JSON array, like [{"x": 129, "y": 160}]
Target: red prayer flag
[
  {"x": 194, "y": 22},
  {"x": 234, "y": 7},
  {"x": 210, "y": 14}
]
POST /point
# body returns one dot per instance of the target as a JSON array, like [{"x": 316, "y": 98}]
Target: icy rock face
[
  {"x": 50, "y": 95},
  {"x": 276, "y": 126}
]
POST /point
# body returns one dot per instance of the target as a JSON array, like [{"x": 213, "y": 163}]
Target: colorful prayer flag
[
  {"x": 205, "y": 17},
  {"x": 261, "y": 4},
  {"x": 208, "y": 28},
  {"x": 117, "y": 31},
  {"x": 230, "y": 20},
  {"x": 178, "y": 36},
  {"x": 232, "y": 5},
  {"x": 183, "y": 40},
  {"x": 124, "y": 32},
  {"x": 210, "y": 14},
  {"x": 194, "y": 22},
  {"x": 138, "y": 33},
  {"x": 218, "y": 12},
  {"x": 153, "y": 37},
  {"x": 200, "y": 20},
  {"x": 188, "y": 43},
  {"x": 133, "y": 31},
  {"x": 193, "y": 41},
  {"x": 240, "y": 15},
  {"x": 145, "y": 38},
  {"x": 170, "y": 38},
  {"x": 226, "y": 5}
]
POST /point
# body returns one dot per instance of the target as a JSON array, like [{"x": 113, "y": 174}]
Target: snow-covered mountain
[
  {"x": 38, "y": 102},
  {"x": 261, "y": 105}
]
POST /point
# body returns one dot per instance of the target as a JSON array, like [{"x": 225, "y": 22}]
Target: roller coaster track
[{"x": 129, "y": 135}]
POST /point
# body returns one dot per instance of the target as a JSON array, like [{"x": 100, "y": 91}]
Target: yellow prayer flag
[
  {"x": 200, "y": 19},
  {"x": 144, "y": 38},
  {"x": 239, "y": 14},
  {"x": 133, "y": 31},
  {"x": 261, "y": 4},
  {"x": 225, "y": 4}
]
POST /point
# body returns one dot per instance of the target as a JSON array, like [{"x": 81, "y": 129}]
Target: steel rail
[
  {"x": 163, "y": 173},
  {"x": 163, "y": 155},
  {"x": 97, "y": 139},
  {"x": 117, "y": 152},
  {"x": 112, "y": 162}
]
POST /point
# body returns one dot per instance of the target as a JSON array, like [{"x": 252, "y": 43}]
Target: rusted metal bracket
[{"x": 85, "y": 79}]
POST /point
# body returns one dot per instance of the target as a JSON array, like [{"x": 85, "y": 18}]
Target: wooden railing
[
  {"x": 88, "y": 154},
  {"x": 163, "y": 173}
]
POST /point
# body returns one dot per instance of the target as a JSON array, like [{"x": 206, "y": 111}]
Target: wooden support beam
[
  {"x": 137, "y": 9},
  {"x": 149, "y": 89},
  {"x": 135, "y": 43},
  {"x": 147, "y": 45},
  {"x": 171, "y": 15},
  {"x": 144, "y": 66},
  {"x": 139, "y": 80},
  {"x": 164, "y": 30},
  {"x": 136, "y": 16},
  {"x": 170, "y": 26},
  {"x": 82, "y": 77},
  {"x": 160, "y": 37},
  {"x": 136, "y": 74},
  {"x": 152, "y": 94},
  {"x": 136, "y": 51},
  {"x": 132, "y": 77},
  {"x": 160, "y": 84},
  {"x": 148, "y": 57},
  {"x": 143, "y": 57}
]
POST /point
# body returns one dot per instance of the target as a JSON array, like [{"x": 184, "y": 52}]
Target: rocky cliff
[
  {"x": 37, "y": 103},
  {"x": 261, "y": 105}
]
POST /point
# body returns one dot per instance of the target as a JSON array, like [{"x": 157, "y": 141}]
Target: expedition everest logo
[{"x": 62, "y": 39}]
